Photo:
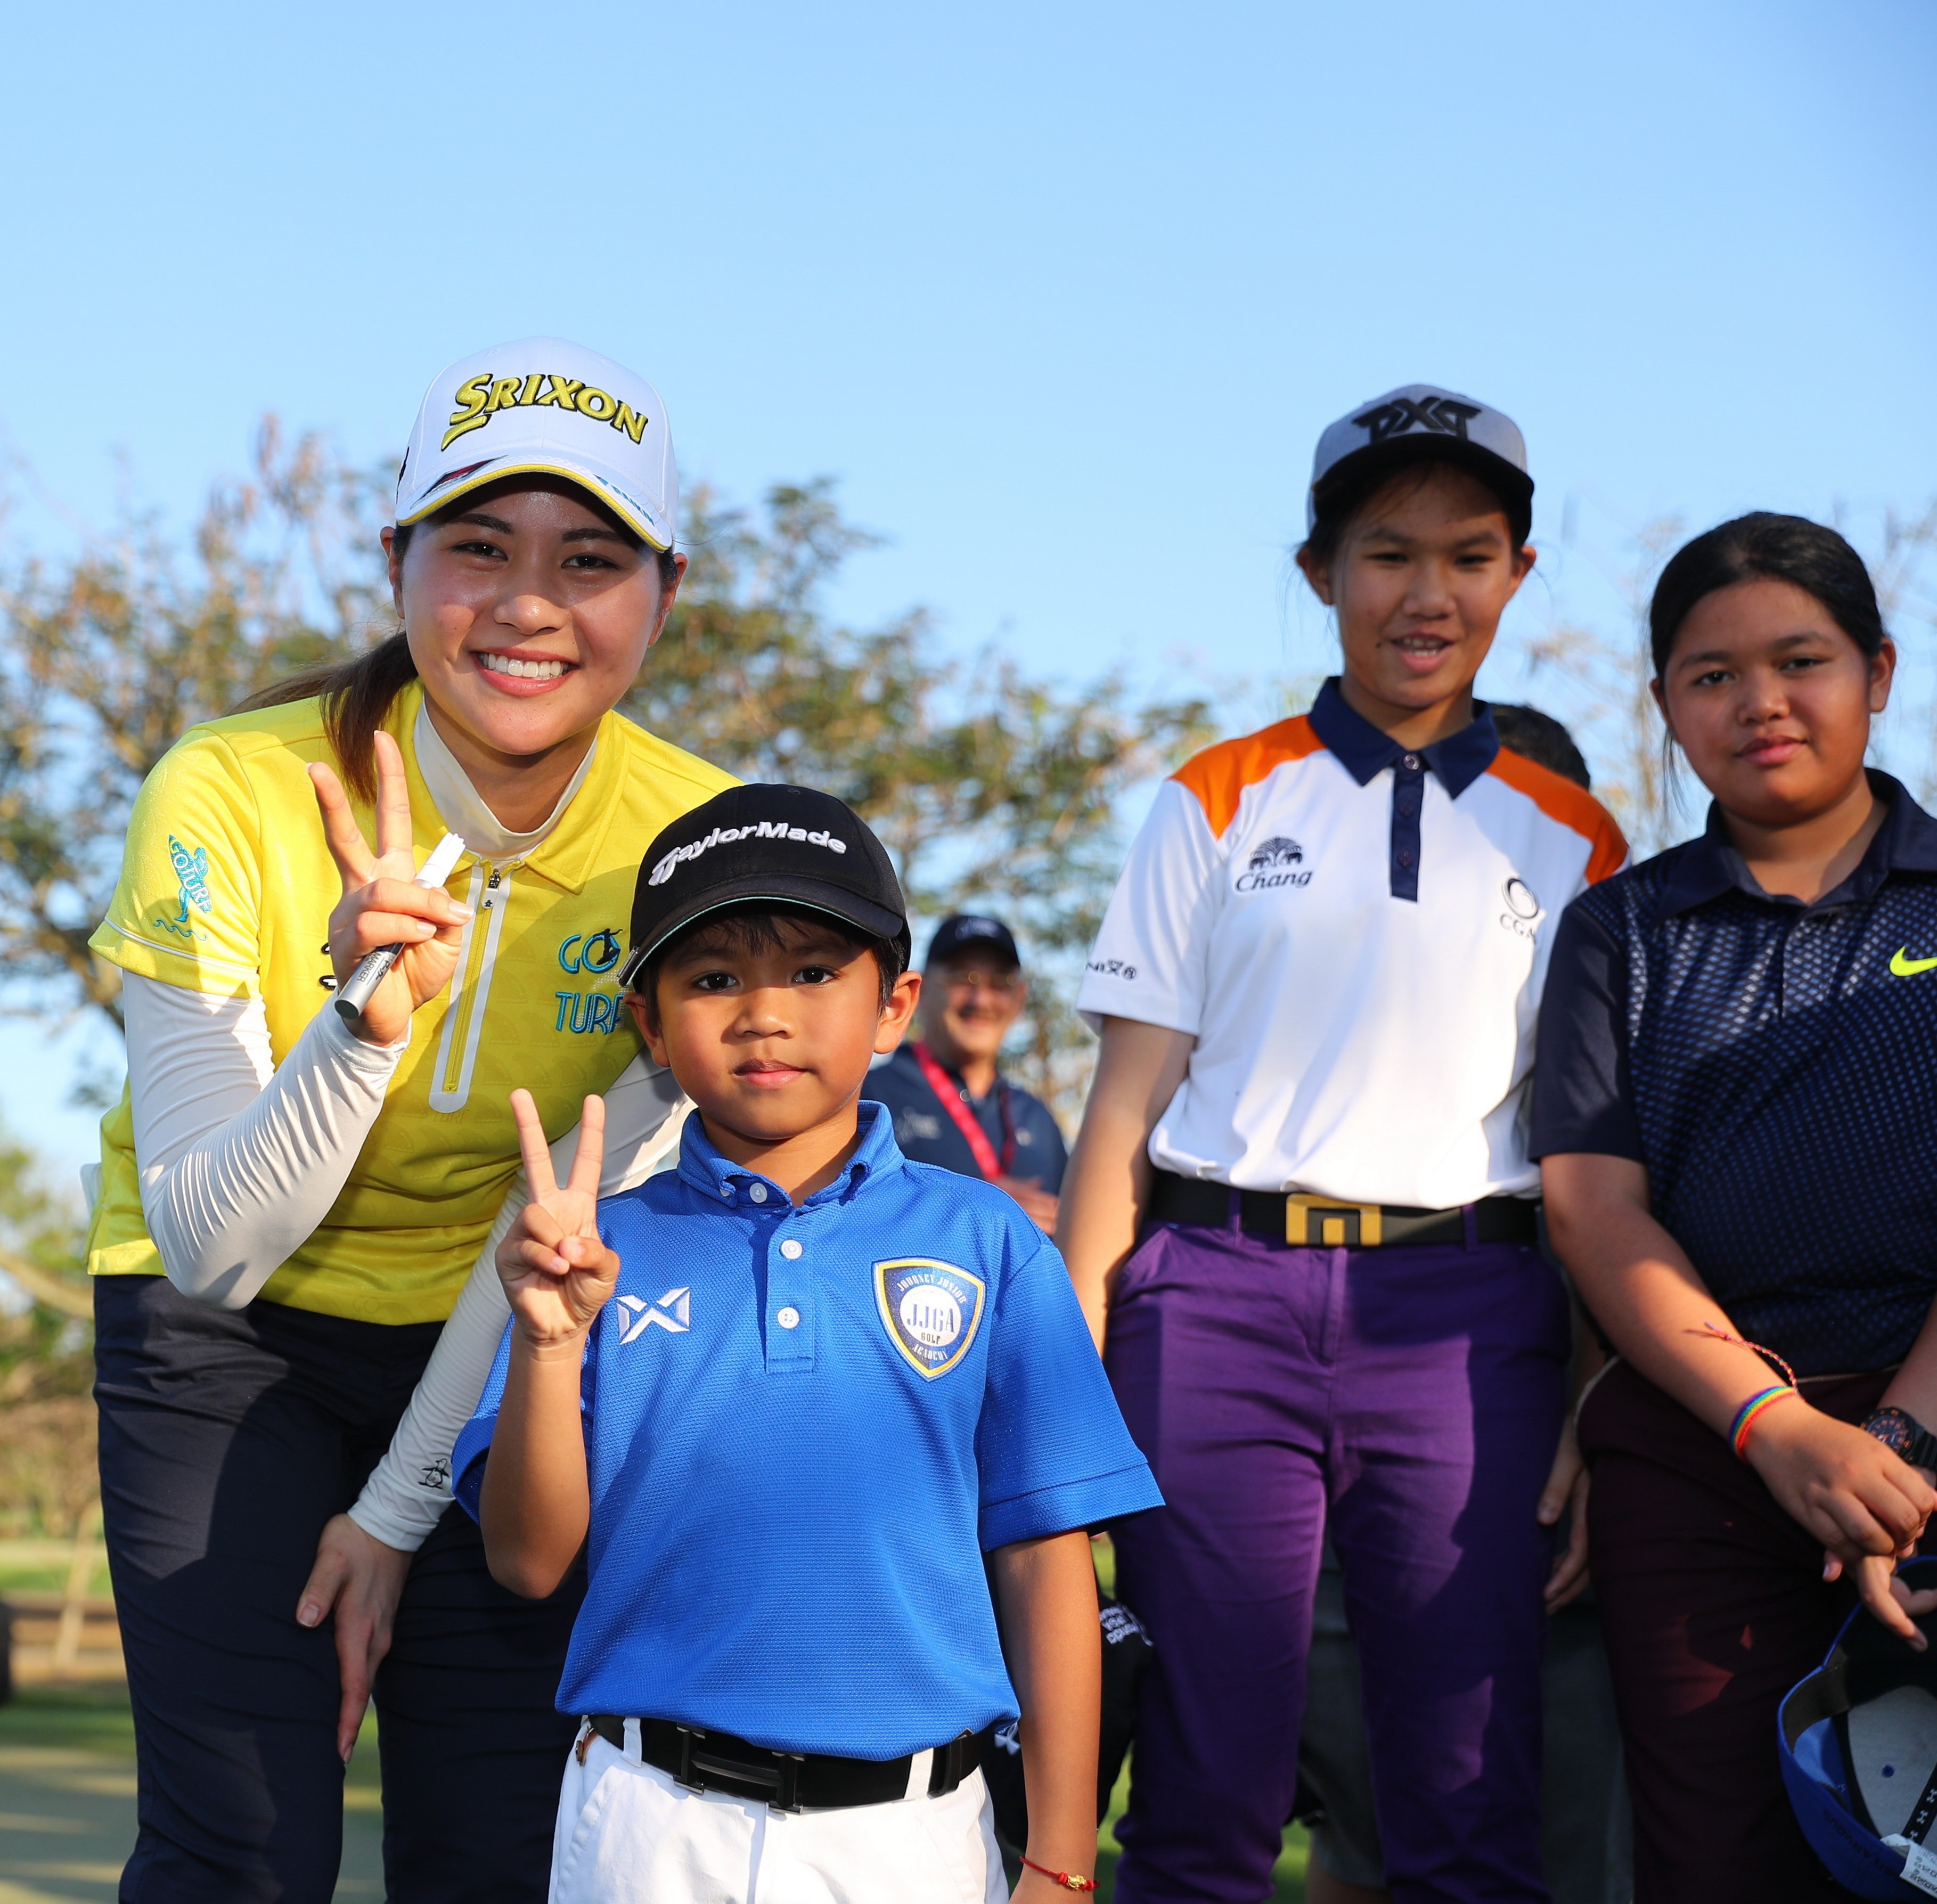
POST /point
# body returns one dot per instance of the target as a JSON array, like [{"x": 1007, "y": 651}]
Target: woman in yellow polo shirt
[{"x": 292, "y": 1198}]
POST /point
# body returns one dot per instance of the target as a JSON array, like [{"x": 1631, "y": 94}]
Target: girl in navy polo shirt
[{"x": 1736, "y": 1092}]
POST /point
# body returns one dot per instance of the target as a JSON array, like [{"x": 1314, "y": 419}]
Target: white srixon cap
[
  {"x": 541, "y": 406},
  {"x": 1396, "y": 426}
]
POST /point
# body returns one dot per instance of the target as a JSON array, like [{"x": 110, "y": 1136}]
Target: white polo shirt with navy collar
[
  {"x": 804, "y": 1426},
  {"x": 1355, "y": 935}
]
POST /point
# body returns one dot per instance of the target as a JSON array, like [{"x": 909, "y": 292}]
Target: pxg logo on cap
[
  {"x": 543, "y": 407},
  {"x": 1857, "y": 1743},
  {"x": 1393, "y": 426}
]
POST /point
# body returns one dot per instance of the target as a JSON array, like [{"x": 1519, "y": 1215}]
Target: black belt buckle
[
  {"x": 734, "y": 1776},
  {"x": 787, "y": 1794},
  {"x": 682, "y": 1773}
]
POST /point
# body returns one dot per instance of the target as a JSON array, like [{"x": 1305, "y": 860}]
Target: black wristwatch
[{"x": 1905, "y": 1436}]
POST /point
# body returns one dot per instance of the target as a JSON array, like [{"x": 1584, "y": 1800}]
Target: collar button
[{"x": 758, "y": 1192}]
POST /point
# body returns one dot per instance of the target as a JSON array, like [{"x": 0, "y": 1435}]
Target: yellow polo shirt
[{"x": 227, "y": 887}]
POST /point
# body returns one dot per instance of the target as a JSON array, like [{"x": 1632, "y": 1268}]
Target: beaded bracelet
[
  {"x": 1068, "y": 1880},
  {"x": 1752, "y": 1411}
]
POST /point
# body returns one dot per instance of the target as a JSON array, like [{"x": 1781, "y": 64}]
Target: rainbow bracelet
[{"x": 1752, "y": 1411}]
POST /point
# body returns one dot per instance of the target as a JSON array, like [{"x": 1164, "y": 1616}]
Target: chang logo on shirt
[
  {"x": 1276, "y": 863},
  {"x": 931, "y": 1310}
]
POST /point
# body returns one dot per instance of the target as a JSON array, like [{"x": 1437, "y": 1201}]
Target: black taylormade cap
[
  {"x": 787, "y": 843},
  {"x": 962, "y": 933}
]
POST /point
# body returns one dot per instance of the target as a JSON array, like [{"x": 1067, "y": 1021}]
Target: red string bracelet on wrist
[{"x": 1068, "y": 1880}]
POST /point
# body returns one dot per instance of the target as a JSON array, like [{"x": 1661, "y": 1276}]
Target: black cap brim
[
  {"x": 1512, "y": 482},
  {"x": 817, "y": 896}
]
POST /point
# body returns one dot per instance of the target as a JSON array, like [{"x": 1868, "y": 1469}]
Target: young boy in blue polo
[{"x": 786, "y": 1396}]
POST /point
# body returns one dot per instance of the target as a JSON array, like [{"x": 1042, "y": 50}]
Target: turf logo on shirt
[
  {"x": 931, "y": 1310},
  {"x": 1278, "y": 862}
]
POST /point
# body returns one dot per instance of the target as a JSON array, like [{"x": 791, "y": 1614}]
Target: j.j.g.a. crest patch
[{"x": 931, "y": 1310}]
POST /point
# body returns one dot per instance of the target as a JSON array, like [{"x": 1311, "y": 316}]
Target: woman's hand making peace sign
[
  {"x": 556, "y": 1273},
  {"x": 381, "y": 905}
]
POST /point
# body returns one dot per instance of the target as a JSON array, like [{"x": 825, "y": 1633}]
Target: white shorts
[{"x": 628, "y": 1834}]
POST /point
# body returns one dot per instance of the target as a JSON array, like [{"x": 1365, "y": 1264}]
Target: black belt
[
  {"x": 718, "y": 1761},
  {"x": 1321, "y": 1222}
]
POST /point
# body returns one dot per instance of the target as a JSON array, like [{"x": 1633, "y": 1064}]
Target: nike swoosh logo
[{"x": 1902, "y": 968}]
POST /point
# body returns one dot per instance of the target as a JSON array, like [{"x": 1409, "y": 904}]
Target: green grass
[
  {"x": 40, "y": 1567},
  {"x": 69, "y": 1718}
]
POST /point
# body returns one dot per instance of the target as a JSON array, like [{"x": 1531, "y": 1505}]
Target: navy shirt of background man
[{"x": 945, "y": 1087}]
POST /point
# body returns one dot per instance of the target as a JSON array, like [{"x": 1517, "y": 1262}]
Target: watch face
[{"x": 1896, "y": 1431}]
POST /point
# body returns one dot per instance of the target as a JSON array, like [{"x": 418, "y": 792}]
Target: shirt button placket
[
  {"x": 790, "y": 1343},
  {"x": 1408, "y": 798}
]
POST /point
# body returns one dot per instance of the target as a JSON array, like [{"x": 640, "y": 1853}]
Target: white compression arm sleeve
[
  {"x": 239, "y": 1159},
  {"x": 409, "y": 1488}
]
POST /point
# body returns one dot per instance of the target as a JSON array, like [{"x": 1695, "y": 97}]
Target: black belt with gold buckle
[
  {"x": 1323, "y": 1222},
  {"x": 788, "y": 1781}
]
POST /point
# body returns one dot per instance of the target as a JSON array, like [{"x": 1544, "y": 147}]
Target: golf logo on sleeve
[
  {"x": 931, "y": 1310},
  {"x": 191, "y": 871}
]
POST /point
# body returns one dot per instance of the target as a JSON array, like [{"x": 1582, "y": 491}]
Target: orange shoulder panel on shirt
[
  {"x": 1560, "y": 799},
  {"x": 1219, "y": 775}
]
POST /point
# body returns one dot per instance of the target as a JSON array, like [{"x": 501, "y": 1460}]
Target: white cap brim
[{"x": 603, "y": 485}]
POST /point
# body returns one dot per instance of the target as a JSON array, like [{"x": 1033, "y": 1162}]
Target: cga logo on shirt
[
  {"x": 1522, "y": 904},
  {"x": 1276, "y": 863},
  {"x": 931, "y": 1310}
]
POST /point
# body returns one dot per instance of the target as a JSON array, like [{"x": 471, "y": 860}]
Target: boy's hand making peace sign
[
  {"x": 556, "y": 1272},
  {"x": 381, "y": 905}
]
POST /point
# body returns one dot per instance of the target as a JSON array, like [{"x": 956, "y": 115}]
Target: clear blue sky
[{"x": 1063, "y": 295}]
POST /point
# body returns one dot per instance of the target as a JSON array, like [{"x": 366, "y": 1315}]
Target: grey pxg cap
[
  {"x": 1396, "y": 427},
  {"x": 790, "y": 845}
]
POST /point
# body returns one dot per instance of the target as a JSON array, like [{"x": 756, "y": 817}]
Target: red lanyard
[{"x": 950, "y": 1092}]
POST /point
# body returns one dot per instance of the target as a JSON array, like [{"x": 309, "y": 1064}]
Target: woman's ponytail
[{"x": 356, "y": 697}]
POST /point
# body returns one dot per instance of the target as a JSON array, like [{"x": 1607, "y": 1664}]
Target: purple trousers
[{"x": 1410, "y": 1400}]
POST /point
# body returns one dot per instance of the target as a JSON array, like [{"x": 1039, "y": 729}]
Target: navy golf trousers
[{"x": 227, "y": 1440}]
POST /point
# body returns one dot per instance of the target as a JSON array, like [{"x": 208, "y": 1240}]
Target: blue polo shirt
[
  {"x": 1774, "y": 1065},
  {"x": 928, "y": 1134},
  {"x": 804, "y": 1426}
]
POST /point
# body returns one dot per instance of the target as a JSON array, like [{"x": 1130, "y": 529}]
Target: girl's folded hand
[{"x": 1849, "y": 1491}]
